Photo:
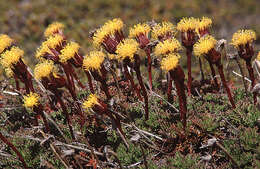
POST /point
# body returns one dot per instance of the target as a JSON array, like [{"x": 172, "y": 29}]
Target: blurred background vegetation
[{"x": 25, "y": 20}]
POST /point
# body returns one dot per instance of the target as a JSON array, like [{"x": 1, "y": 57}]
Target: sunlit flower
[
  {"x": 127, "y": 49},
  {"x": 31, "y": 100},
  {"x": 94, "y": 60},
  {"x": 167, "y": 46},
  {"x": 109, "y": 28},
  {"x": 258, "y": 56},
  {"x": 242, "y": 37},
  {"x": 170, "y": 62},
  {"x": 5, "y": 42},
  {"x": 44, "y": 69},
  {"x": 139, "y": 29},
  {"x": 204, "y": 23},
  {"x": 42, "y": 50},
  {"x": 53, "y": 28},
  {"x": 204, "y": 45},
  {"x": 186, "y": 24},
  {"x": 163, "y": 29},
  {"x": 90, "y": 102},
  {"x": 54, "y": 41},
  {"x": 69, "y": 51},
  {"x": 11, "y": 57}
]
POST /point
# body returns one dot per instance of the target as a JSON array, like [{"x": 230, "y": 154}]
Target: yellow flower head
[
  {"x": 42, "y": 50},
  {"x": 204, "y": 45},
  {"x": 9, "y": 72},
  {"x": 109, "y": 28},
  {"x": 11, "y": 57},
  {"x": 186, "y": 24},
  {"x": 31, "y": 100},
  {"x": 53, "y": 41},
  {"x": 204, "y": 23},
  {"x": 170, "y": 62},
  {"x": 44, "y": 69},
  {"x": 163, "y": 29},
  {"x": 90, "y": 102},
  {"x": 69, "y": 51},
  {"x": 139, "y": 29},
  {"x": 53, "y": 28},
  {"x": 127, "y": 48},
  {"x": 258, "y": 56},
  {"x": 242, "y": 37},
  {"x": 5, "y": 42},
  {"x": 167, "y": 46},
  {"x": 94, "y": 60}
]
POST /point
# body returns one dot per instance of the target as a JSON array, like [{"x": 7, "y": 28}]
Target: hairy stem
[
  {"x": 252, "y": 77},
  {"x": 89, "y": 81},
  {"x": 242, "y": 73},
  {"x": 149, "y": 59},
  {"x": 189, "y": 53},
  {"x": 169, "y": 88}
]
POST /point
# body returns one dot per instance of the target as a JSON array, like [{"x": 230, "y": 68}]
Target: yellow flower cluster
[
  {"x": 163, "y": 29},
  {"x": 139, "y": 29},
  {"x": 42, "y": 50},
  {"x": 167, "y": 46},
  {"x": 242, "y": 37},
  {"x": 5, "y": 42},
  {"x": 90, "y": 102},
  {"x": 204, "y": 23},
  {"x": 69, "y": 51},
  {"x": 11, "y": 57},
  {"x": 53, "y": 41},
  {"x": 186, "y": 24},
  {"x": 127, "y": 49},
  {"x": 94, "y": 60},
  {"x": 170, "y": 62},
  {"x": 44, "y": 69},
  {"x": 204, "y": 45},
  {"x": 53, "y": 28},
  {"x": 109, "y": 28},
  {"x": 31, "y": 100}
]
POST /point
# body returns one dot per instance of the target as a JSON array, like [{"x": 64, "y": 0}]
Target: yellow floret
[
  {"x": 90, "y": 102},
  {"x": 170, "y": 62},
  {"x": 5, "y": 42},
  {"x": 204, "y": 23},
  {"x": 69, "y": 51},
  {"x": 139, "y": 29},
  {"x": 11, "y": 57},
  {"x": 186, "y": 24},
  {"x": 31, "y": 100},
  {"x": 127, "y": 49},
  {"x": 107, "y": 29},
  {"x": 242, "y": 37},
  {"x": 9, "y": 72},
  {"x": 112, "y": 56},
  {"x": 44, "y": 69},
  {"x": 42, "y": 50},
  {"x": 94, "y": 60},
  {"x": 204, "y": 45},
  {"x": 53, "y": 41},
  {"x": 167, "y": 46},
  {"x": 53, "y": 28},
  {"x": 163, "y": 29},
  {"x": 258, "y": 56}
]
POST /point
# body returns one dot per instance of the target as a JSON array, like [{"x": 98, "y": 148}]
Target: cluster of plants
[{"x": 110, "y": 69}]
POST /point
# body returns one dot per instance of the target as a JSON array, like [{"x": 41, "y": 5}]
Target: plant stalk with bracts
[
  {"x": 206, "y": 47},
  {"x": 242, "y": 40}
]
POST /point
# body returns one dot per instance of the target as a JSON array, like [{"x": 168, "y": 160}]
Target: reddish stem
[
  {"x": 221, "y": 73},
  {"x": 213, "y": 73},
  {"x": 130, "y": 78},
  {"x": 169, "y": 89},
  {"x": 64, "y": 109},
  {"x": 149, "y": 59},
  {"x": 90, "y": 81},
  {"x": 252, "y": 77},
  {"x": 17, "y": 83},
  {"x": 189, "y": 53},
  {"x": 139, "y": 77},
  {"x": 178, "y": 76},
  {"x": 6, "y": 141},
  {"x": 39, "y": 111}
]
